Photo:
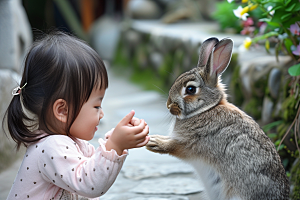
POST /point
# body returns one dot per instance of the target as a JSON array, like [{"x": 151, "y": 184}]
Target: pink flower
[
  {"x": 248, "y": 30},
  {"x": 248, "y": 22},
  {"x": 297, "y": 51},
  {"x": 295, "y": 29}
]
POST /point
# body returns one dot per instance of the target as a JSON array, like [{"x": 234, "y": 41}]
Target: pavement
[{"x": 145, "y": 175}]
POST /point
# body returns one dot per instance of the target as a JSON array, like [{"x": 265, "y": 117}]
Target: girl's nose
[{"x": 101, "y": 114}]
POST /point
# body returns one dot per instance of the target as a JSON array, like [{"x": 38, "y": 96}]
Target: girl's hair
[{"x": 58, "y": 66}]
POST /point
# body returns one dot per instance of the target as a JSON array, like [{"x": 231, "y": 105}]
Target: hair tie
[{"x": 17, "y": 90}]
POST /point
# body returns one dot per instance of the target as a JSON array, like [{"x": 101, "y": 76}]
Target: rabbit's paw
[{"x": 159, "y": 143}]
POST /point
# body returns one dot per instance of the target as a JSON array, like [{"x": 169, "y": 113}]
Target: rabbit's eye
[{"x": 190, "y": 90}]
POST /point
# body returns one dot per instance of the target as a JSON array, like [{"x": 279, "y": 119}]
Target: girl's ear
[{"x": 60, "y": 110}]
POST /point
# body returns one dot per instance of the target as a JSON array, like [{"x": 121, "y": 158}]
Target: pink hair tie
[{"x": 17, "y": 90}]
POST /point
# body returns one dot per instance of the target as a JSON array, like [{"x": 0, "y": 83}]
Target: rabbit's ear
[
  {"x": 205, "y": 50},
  {"x": 219, "y": 60}
]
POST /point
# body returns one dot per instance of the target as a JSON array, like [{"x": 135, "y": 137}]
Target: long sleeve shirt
[{"x": 56, "y": 167}]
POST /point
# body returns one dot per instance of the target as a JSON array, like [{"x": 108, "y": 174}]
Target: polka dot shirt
[{"x": 56, "y": 167}]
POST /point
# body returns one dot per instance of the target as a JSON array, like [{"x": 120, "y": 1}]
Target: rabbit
[{"x": 230, "y": 153}]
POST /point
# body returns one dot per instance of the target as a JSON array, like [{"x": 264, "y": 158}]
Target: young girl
[{"x": 54, "y": 112}]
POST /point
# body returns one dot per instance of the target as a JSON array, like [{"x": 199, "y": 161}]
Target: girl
[{"x": 55, "y": 112}]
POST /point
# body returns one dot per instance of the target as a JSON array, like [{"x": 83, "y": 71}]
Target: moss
[
  {"x": 253, "y": 107},
  {"x": 289, "y": 110},
  {"x": 295, "y": 181},
  {"x": 165, "y": 71},
  {"x": 119, "y": 57},
  {"x": 148, "y": 80},
  {"x": 259, "y": 86},
  {"x": 236, "y": 88},
  {"x": 281, "y": 129}
]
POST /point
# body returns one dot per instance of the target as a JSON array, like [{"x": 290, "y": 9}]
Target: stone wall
[
  {"x": 154, "y": 54},
  {"x": 15, "y": 38},
  {"x": 253, "y": 77}
]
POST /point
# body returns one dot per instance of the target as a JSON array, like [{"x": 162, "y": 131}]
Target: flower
[
  {"x": 237, "y": 12},
  {"x": 270, "y": 10},
  {"x": 297, "y": 51},
  {"x": 248, "y": 22},
  {"x": 229, "y": 1},
  {"x": 295, "y": 29},
  {"x": 249, "y": 8},
  {"x": 267, "y": 45},
  {"x": 247, "y": 42},
  {"x": 248, "y": 30},
  {"x": 244, "y": 1}
]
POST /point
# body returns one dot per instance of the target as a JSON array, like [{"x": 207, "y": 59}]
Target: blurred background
[{"x": 151, "y": 42}]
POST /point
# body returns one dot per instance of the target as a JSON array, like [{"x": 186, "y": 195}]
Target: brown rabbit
[{"x": 232, "y": 155}]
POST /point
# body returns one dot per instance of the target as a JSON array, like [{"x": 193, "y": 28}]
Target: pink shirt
[{"x": 57, "y": 168}]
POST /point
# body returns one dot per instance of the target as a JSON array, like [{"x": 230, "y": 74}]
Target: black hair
[{"x": 58, "y": 66}]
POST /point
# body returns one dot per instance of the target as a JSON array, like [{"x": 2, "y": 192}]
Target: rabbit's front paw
[{"x": 158, "y": 144}]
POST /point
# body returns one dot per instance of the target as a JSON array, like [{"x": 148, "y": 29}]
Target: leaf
[
  {"x": 288, "y": 43},
  {"x": 278, "y": 7},
  {"x": 264, "y": 20},
  {"x": 297, "y": 8},
  {"x": 284, "y": 17},
  {"x": 269, "y": 126},
  {"x": 285, "y": 162},
  {"x": 290, "y": 8},
  {"x": 294, "y": 70},
  {"x": 287, "y": 2},
  {"x": 275, "y": 24},
  {"x": 277, "y": 16},
  {"x": 267, "y": 46},
  {"x": 272, "y": 135},
  {"x": 277, "y": 49}
]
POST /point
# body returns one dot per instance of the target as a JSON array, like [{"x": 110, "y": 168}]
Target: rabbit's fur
[{"x": 232, "y": 155}]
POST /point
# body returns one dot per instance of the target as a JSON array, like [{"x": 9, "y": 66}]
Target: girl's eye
[
  {"x": 98, "y": 107},
  {"x": 190, "y": 90}
]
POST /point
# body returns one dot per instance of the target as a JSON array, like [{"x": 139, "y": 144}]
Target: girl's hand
[
  {"x": 108, "y": 134},
  {"x": 134, "y": 121},
  {"x": 127, "y": 136}
]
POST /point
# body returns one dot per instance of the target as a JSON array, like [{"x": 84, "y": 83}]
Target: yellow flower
[
  {"x": 244, "y": 1},
  {"x": 237, "y": 13},
  {"x": 249, "y": 8},
  {"x": 267, "y": 45},
  {"x": 247, "y": 43}
]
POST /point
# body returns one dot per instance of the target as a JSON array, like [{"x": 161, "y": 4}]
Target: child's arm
[
  {"x": 128, "y": 134},
  {"x": 63, "y": 165}
]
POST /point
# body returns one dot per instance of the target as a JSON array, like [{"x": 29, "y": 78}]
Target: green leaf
[
  {"x": 287, "y": 2},
  {"x": 277, "y": 16},
  {"x": 288, "y": 43},
  {"x": 268, "y": 127},
  {"x": 285, "y": 162},
  {"x": 294, "y": 70},
  {"x": 275, "y": 24},
  {"x": 297, "y": 8},
  {"x": 278, "y": 7},
  {"x": 290, "y": 8},
  {"x": 277, "y": 49},
  {"x": 272, "y": 135},
  {"x": 286, "y": 16},
  {"x": 264, "y": 20}
]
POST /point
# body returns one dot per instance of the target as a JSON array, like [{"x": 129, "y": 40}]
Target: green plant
[
  {"x": 281, "y": 19},
  {"x": 280, "y": 24},
  {"x": 225, "y": 17}
]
